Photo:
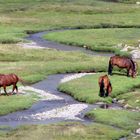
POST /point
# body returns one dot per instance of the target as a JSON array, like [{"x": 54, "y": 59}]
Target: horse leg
[
  {"x": 4, "y": 87},
  {"x": 16, "y": 89},
  {"x": 128, "y": 71},
  {"x": 101, "y": 93},
  {"x": 110, "y": 67},
  {"x": 106, "y": 94},
  {"x": 0, "y": 90}
]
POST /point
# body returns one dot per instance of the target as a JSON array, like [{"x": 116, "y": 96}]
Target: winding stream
[
  {"x": 38, "y": 39},
  {"x": 61, "y": 108}
]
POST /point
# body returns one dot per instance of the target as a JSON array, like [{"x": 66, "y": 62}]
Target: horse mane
[
  {"x": 102, "y": 88},
  {"x": 109, "y": 67}
]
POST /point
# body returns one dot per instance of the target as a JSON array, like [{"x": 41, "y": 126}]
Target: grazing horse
[
  {"x": 105, "y": 86},
  {"x": 8, "y": 80},
  {"x": 123, "y": 62}
]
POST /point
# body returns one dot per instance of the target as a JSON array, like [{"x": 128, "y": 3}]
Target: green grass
[
  {"x": 34, "y": 65},
  {"x": 18, "y": 17},
  {"x": 86, "y": 89},
  {"x": 131, "y": 98},
  {"x": 123, "y": 119},
  {"x": 65, "y": 131},
  {"x": 97, "y": 39},
  {"x": 14, "y": 103},
  {"x": 135, "y": 137}
]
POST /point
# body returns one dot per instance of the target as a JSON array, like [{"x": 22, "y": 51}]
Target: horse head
[{"x": 134, "y": 70}]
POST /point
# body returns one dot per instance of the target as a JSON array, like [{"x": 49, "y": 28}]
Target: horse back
[
  {"x": 104, "y": 79},
  {"x": 122, "y": 62},
  {"x": 8, "y": 79}
]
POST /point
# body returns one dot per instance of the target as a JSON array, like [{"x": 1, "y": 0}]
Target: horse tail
[
  {"x": 23, "y": 81},
  {"x": 102, "y": 88},
  {"x": 109, "y": 67}
]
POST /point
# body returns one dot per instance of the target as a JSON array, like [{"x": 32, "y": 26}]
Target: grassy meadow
[
  {"x": 123, "y": 119},
  {"x": 105, "y": 24},
  {"x": 125, "y": 89},
  {"x": 86, "y": 89},
  {"x": 131, "y": 98},
  {"x": 98, "y": 39},
  {"x": 16, "y": 102},
  {"x": 34, "y": 65},
  {"x": 18, "y": 17}
]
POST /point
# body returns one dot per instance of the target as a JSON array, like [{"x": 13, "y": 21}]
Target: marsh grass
[
  {"x": 86, "y": 89},
  {"x": 65, "y": 131}
]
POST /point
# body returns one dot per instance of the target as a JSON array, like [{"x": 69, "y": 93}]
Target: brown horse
[
  {"x": 8, "y": 80},
  {"x": 123, "y": 62},
  {"x": 105, "y": 86}
]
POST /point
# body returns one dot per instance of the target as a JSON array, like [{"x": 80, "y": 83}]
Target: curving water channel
[
  {"x": 61, "y": 108},
  {"x": 38, "y": 39}
]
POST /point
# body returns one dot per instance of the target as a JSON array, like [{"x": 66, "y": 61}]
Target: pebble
[{"x": 138, "y": 131}]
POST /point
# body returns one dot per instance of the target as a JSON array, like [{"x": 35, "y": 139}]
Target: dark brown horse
[
  {"x": 8, "y": 80},
  {"x": 123, "y": 62},
  {"x": 105, "y": 86}
]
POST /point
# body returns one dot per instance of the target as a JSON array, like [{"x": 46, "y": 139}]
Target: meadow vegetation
[
  {"x": 16, "y": 102},
  {"x": 19, "y": 18},
  {"x": 98, "y": 39},
  {"x": 86, "y": 89},
  {"x": 131, "y": 98},
  {"x": 123, "y": 119},
  {"x": 65, "y": 131},
  {"x": 34, "y": 65}
]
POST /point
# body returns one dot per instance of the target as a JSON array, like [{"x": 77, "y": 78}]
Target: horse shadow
[
  {"x": 119, "y": 74},
  {"x": 9, "y": 94}
]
